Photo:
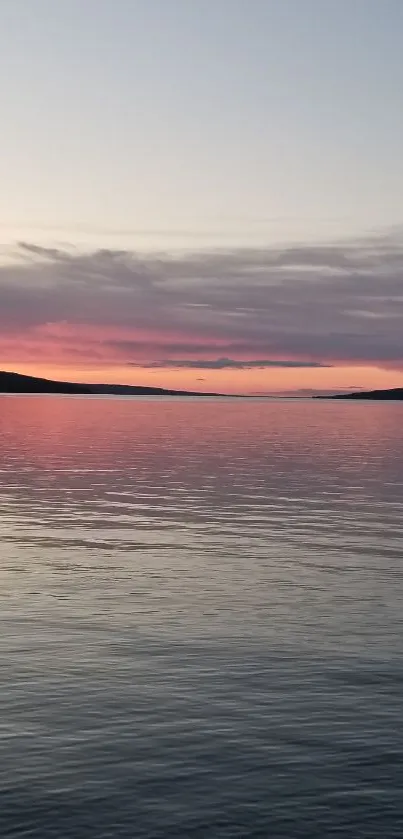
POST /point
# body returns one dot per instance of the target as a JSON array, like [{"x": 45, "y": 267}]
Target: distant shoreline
[
  {"x": 394, "y": 394},
  {"x": 18, "y": 383}
]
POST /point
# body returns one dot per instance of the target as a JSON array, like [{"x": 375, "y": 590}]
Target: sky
[{"x": 203, "y": 194}]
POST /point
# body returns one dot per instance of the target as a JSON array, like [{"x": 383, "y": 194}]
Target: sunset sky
[{"x": 203, "y": 194}]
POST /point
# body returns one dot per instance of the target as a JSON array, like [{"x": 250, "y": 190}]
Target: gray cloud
[
  {"x": 225, "y": 364},
  {"x": 317, "y": 304},
  {"x": 37, "y": 250}
]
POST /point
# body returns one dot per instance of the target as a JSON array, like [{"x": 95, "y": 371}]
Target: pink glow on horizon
[
  {"x": 94, "y": 353},
  {"x": 254, "y": 381},
  {"x": 246, "y": 320}
]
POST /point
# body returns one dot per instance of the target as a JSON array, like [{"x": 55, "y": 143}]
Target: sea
[{"x": 201, "y": 618}]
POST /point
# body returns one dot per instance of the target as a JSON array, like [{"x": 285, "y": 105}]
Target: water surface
[{"x": 201, "y": 611}]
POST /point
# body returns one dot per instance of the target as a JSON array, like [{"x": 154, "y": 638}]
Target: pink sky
[{"x": 253, "y": 320}]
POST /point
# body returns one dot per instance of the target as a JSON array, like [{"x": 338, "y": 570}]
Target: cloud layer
[
  {"x": 225, "y": 364},
  {"x": 241, "y": 309}
]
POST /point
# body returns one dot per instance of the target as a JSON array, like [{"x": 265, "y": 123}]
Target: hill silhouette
[
  {"x": 19, "y": 383},
  {"x": 391, "y": 394}
]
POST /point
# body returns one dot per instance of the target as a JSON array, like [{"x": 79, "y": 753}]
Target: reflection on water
[{"x": 202, "y": 618}]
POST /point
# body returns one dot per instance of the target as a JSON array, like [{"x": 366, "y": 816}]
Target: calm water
[{"x": 202, "y": 608}]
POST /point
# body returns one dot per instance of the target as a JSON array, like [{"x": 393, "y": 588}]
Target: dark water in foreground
[{"x": 202, "y": 608}]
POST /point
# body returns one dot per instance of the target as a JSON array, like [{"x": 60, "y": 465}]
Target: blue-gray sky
[
  {"x": 206, "y": 119},
  {"x": 261, "y": 137}
]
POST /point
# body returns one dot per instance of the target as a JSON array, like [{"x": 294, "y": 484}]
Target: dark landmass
[
  {"x": 392, "y": 394},
  {"x": 18, "y": 383}
]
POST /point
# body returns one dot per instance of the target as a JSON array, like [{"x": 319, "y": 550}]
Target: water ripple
[{"x": 202, "y": 619}]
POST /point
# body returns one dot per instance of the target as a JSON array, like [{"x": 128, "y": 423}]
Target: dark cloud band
[
  {"x": 314, "y": 305},
  {"x": 225, "y": 364}
]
